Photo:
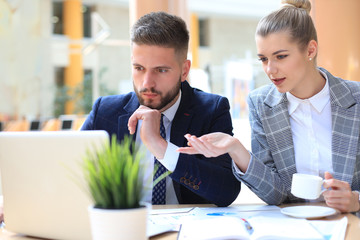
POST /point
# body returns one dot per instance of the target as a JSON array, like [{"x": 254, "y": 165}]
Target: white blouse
[{"x": 310, "y": 121}]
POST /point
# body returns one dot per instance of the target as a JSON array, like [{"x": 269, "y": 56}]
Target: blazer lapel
[
  {"x": 345, "y": 129},
  {"x": 123, "y": 119},
  {"x": 181, "y": 125},
  {"x": 183, "y": 116},
  {"x": 277, "y": 128}
]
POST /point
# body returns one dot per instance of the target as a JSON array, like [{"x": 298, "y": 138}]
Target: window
[
  {"x": 204, "y": 32},
  {"x": 81, "y": 94},
  {"x": 58, "y": 19},
  {"x": 60, "y": 92},
  {"x": 86, "y": 10}
]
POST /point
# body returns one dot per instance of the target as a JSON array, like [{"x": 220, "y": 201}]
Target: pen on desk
[
  {"x": 248, "y": 227},
  {"x": 178, "y": 237}
]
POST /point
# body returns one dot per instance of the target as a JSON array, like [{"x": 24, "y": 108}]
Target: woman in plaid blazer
[{"x": 306, "y": 121}]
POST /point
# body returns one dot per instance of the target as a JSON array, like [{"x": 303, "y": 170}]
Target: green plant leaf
[
  {"x": 114, "y": 175},
  {"x": 161, "y": 177}
]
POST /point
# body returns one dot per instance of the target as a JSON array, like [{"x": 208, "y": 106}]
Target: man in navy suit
[{"x": 159, "y": 45}]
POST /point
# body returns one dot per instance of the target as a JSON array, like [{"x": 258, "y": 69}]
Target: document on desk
[
  {"x": 331, "y": 230},
  {"x": 267, "y": 222},
  {"x": 165, "y": 220},
  {"x": 178, "y": 215},
  {"x": 221, "y": 228}
]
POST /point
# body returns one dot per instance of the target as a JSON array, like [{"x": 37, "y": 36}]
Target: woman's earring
[{"x": 310, "y": 58}]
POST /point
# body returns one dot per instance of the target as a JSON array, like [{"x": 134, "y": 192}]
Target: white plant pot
[{"x": 111, "y": 224}]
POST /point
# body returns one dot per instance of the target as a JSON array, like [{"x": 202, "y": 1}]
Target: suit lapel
[
  {"x": 276, "y": 123},
  {"x": 183, "y": 116},
  {"x": 345, "y": 129},
  {"x": 181, "y": 125},
  {"x": 123, "y": 119}
]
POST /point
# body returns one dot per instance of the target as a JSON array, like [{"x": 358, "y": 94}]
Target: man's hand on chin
[{"x": 150, "y": 130}]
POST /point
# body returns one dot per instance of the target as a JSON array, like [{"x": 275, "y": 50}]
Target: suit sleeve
[
  {"x": 89, "y": 122},
  {"x": 209, "y": 178},
  {"x": 262, "y": 176}
]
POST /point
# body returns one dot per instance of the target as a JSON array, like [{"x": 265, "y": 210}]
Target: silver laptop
[{"x": 42, "y": 182}]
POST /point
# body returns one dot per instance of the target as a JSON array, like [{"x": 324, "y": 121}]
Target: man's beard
[{"x": 165, "y": 100}]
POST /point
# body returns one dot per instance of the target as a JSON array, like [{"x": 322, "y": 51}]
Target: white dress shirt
[
  {"x": 310, "y": 121},
  {"x": 169, "y": 161}
]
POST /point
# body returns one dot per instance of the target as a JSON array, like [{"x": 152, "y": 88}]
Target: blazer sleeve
[
  {"x": 262, "y": 176},
  {"x": 209, "y": 178},
  {"x": 89, "y": 122},
  {"x": 111, "y": 113}
]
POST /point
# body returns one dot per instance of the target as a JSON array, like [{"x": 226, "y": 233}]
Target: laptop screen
[{"x": 42, "y": 182}]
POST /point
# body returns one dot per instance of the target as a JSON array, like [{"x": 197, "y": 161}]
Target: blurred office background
[{"x": 58, "y": 56}]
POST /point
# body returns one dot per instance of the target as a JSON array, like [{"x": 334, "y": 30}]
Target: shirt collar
[
  {"x": 171, "y": 111},
  {"x": 318, "y": 101}
]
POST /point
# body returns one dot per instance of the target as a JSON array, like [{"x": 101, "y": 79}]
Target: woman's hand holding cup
[{"x": 337, "y": 194}]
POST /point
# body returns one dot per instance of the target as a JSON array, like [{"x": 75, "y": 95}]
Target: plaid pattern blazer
[{"x": 270, "y": 171}]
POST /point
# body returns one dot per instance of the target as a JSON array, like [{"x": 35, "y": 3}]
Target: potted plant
[{"x": 115, "y": 181}]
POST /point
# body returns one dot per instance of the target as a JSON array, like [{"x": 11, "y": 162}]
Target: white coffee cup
[{"x": 307, "y": 186}]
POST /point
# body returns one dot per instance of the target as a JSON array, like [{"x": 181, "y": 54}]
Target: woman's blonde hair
[{"x": 292, "y": 17}]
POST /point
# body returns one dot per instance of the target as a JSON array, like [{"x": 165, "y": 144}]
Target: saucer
[{"x": 308, "y": 211}]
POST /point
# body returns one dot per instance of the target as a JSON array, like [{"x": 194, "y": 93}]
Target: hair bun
[{"x": 304, "y": 4}]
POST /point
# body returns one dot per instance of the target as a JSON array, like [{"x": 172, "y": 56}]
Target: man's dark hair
[{"x": 163, "y": 30}]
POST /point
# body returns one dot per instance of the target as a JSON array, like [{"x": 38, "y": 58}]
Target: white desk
[{"x": 352, "y": 233}]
